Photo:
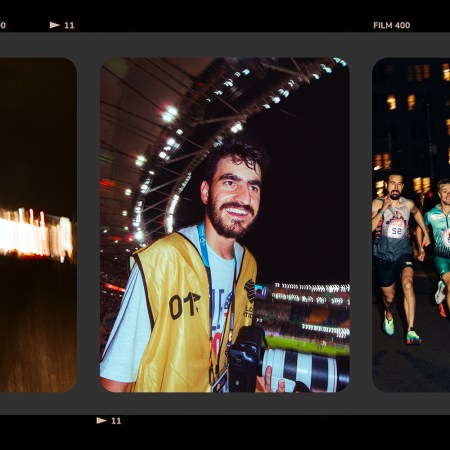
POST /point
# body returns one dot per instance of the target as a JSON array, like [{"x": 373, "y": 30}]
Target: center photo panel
[{"x": 224, "y": 212}]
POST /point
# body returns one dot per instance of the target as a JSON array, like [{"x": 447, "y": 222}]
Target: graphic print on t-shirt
[
  {"x": 220, "y": 305},
  {"x": 446, "y": 237}
]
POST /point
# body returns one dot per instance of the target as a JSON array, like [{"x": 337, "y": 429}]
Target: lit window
[
  {"x": 410, "y": 76},
  {"x": 421, "y": 185},
  {"x": 446, "y": 72},
  {"x": 377, "y": 162},
  {"x": 417, "y": 185},
  {"x": 379, "y": 187},
  {"x": 392, "y": 104},
  {"x": 411, "y": 102},
  {"x": 449, "y": 155},
  {"x": 418, "y": 71},
  {"x": 386, "y": 161},
  {"x": 426, "y": 71},
  {"x": 447, "y": 122}
]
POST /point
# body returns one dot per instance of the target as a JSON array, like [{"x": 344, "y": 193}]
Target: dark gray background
[{"x": 88, "y": 52}]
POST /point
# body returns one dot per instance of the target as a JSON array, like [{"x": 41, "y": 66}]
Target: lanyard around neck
[{"x": 205, "y": 258}]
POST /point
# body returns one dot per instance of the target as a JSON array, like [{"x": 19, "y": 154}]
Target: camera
[{"x": 249, "y": 357}]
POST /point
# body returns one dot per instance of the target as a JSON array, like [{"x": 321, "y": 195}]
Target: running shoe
[
  {"x": 388, "y": 326},
  {"x": 440, "y": 296},
  {"x": 442, "y": 312},
  {"x": 412, "y": 338}
]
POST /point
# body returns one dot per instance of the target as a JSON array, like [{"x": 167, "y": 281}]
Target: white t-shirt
[{"x": 132, "y": 330}]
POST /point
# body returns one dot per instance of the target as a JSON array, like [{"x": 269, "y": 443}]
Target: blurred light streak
[{"x": 47, "y": 236}]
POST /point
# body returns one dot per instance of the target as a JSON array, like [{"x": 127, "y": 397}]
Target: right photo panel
[{"x": 411, "y": 224}]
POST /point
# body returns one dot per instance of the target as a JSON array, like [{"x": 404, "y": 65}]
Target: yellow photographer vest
[{"x": 177, "y": 356}]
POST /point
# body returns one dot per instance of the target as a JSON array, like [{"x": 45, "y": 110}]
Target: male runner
[
  {"x": 439, "y": 219},
  {"x": 393, "y": 253}
]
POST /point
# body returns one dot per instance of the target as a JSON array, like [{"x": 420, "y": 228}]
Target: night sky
[
  {"x": 302, "y": 232},
  {"x": 38, "y": 135}
]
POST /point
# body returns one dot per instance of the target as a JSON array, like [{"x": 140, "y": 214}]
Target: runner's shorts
[
  {"x": 389, "y": 271},
  {"x": 442, "y": 265}
]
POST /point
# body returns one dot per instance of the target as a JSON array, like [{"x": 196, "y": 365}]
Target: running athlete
[
  {"x": 393, "y": 252},
  {"x": 190, "y": 292},
  {"x": 439, "y": 219}
]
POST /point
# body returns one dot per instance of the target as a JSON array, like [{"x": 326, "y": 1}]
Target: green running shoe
[
  {"x": 388, "y": 326},
  {"x": 412, "y": 338}
]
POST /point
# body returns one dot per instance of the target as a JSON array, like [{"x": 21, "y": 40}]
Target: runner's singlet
[{"x": 392, "y": 232}]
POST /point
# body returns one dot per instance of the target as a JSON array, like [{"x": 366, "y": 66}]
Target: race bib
[
  {"x": 396, "y": 229},
  {"x": 446, "y": 237}
]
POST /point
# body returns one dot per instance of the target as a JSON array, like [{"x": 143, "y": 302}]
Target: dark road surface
[
  {"x": 37, "y": 325},
  {"x": 397, "y": 367}
]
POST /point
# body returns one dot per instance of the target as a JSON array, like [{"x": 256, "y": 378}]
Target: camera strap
[{"x": 214, "y": 371}]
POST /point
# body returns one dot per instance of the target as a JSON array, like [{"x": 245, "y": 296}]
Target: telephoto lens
[{"x": 317, "y": 373}]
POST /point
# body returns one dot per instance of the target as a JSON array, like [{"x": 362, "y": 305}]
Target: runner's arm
[
  {"x": 419, "y": 240},
  {"x": 419, "y": 219},
  {"x": 377, "y": 205}
]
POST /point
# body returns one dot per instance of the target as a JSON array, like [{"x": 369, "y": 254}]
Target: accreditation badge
[{"x": 221, "y": 385}]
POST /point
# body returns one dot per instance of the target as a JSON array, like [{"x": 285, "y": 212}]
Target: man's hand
[
  {"x": 264, "y": 382},
  {"x": 421, "y": 255},
  {"x": 426, "y": 241},
  {"x": 387, "y": 202}
]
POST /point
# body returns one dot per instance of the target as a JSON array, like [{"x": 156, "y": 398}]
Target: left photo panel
[{"x": 38, "y": 223}]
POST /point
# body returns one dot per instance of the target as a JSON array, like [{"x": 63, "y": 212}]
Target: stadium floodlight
[
  {"x": 236, "y": 127},
  {"x": 170, "y": 114},
  {"x": 140, "y": 160}
]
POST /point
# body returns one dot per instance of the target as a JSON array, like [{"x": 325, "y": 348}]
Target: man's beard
[
  {"x": 236, "y": 230},
  {"x": 395, "y": 196}
]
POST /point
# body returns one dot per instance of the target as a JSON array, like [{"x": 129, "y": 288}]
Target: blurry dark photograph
[
  {"x": 161, "y": 117},
  {"x": 411, "y": 224},
  {"x": 38, "y": 194}
]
